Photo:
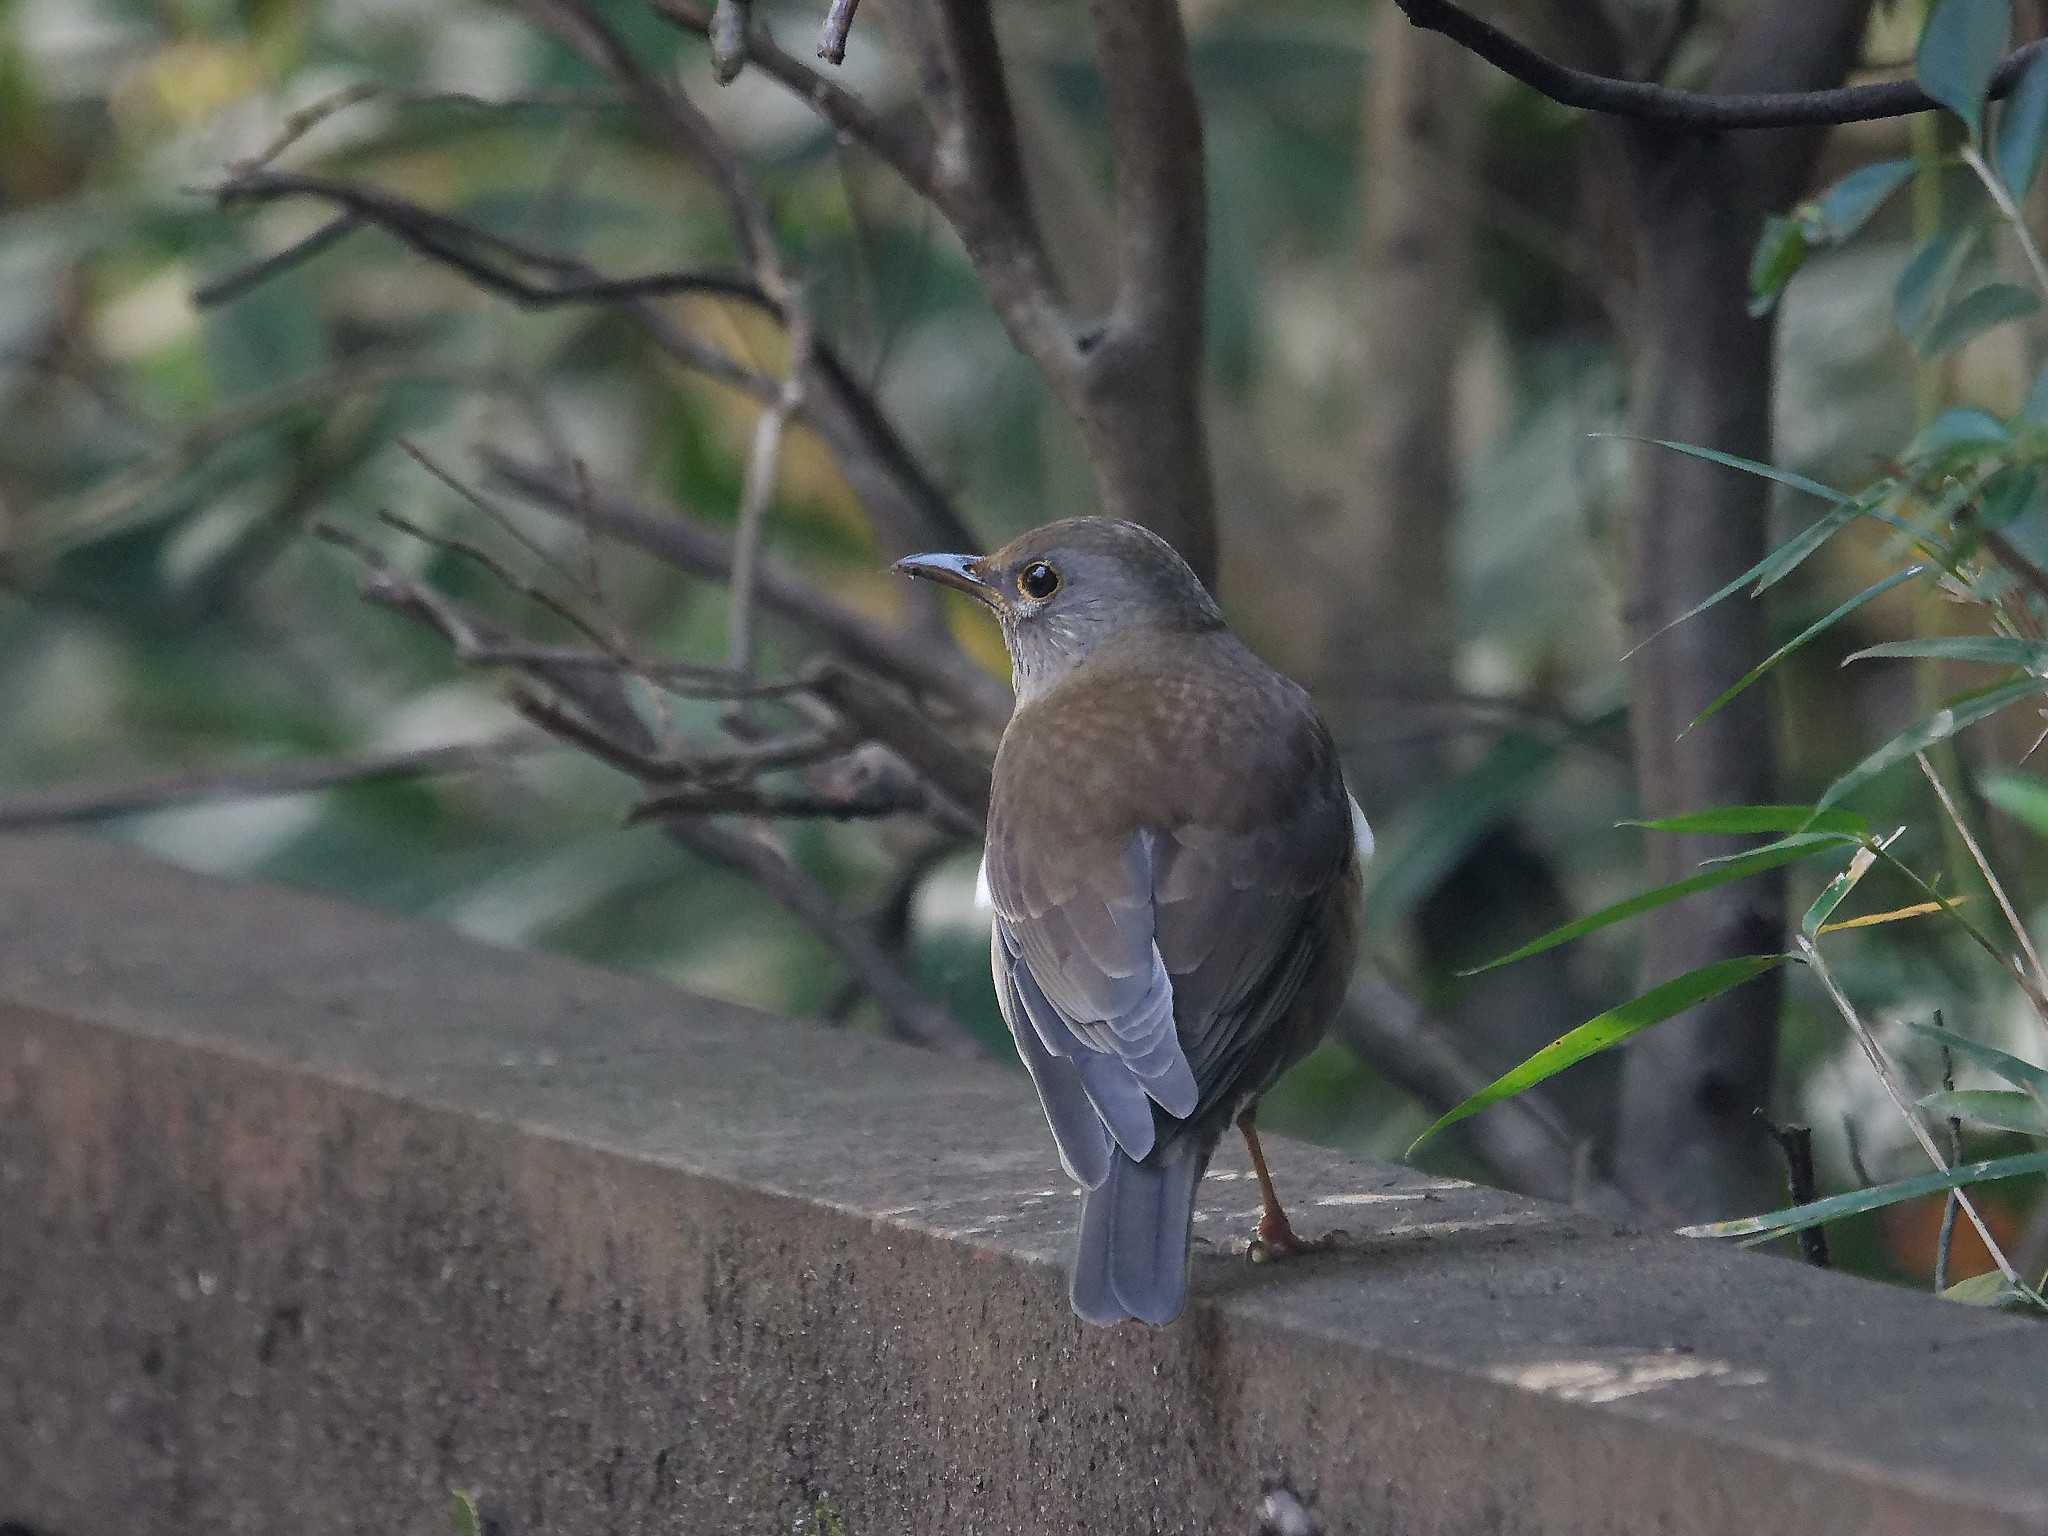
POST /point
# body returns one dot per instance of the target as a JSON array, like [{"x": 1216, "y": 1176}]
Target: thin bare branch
[
  {"x": 896, "y": 143},
  {"x": 764, "y": 460},
  {"x": 872, "y": 801},
  {"x": 74, "y": 804},
  {"x": 1650, "y": 102},
  {"x": 689, "y": 545},
  {"x": 832, "y": 36},
  {"x": 1895, "y": 1091},
  {"x": 2005, "y": 905},
  {"x": 908, "y": 1012}
]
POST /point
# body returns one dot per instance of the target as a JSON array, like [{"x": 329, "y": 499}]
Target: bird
[{"x": 1175, "y": 866}]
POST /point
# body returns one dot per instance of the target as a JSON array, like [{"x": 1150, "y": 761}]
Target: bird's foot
[{"x": 1276, "y": 1239}]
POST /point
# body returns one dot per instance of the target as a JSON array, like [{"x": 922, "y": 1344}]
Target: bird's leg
[{"x": 1275, "y": 1238}]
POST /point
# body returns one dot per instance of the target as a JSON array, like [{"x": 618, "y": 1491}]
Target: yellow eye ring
[{"x": 1038, "y": 581}]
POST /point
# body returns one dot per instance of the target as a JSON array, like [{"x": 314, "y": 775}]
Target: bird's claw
[{"x": 1276, "y": 1241}]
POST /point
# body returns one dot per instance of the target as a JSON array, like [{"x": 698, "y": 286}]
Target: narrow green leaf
[
  {"x": 1784, "y": 477},
  {"x": 2023, "y": 130},
  {"x": 1781, "y": 250},
  {"x": 2021, "y": 1074},
  {"x": 2002, "y": 1109},
  {"x": 1959, "y": 713},
  {"x": 1995, "y": 650},
  {"x": 1959, "y": 49},
  {"x": 1722, "y": 873},
  {"x": 1928, "y": 278},
  {"x": 1844, "y": 208},
  {"x": 1798, "y": 842},
  {"x": 2021, "y": 796},
  {"x": 1962, "y": 427},
  {"x": 1770, "y": 570},
  {"x": 467, "y": 1521},
  {"x": 1990, "y": 1289},
  {"x": 1837, "y": 890},
  {"x": 2006, "y": 497},
  {"x": 1609, "y": 1029},
  {"x": 1975, "y": 313},
  {"x": 1739, "y": 820},
  {"x": 1935, "y": 1181},
  {"x": 1812, "y": 631}
]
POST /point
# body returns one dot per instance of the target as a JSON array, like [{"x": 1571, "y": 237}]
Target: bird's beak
[{"x": 949, "y": 571}]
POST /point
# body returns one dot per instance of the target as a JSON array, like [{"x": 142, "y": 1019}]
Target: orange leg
[{"x": 1276, "y": 1238}]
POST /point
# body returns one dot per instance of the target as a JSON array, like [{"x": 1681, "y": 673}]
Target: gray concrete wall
[{"x": 308, "y": 1214}]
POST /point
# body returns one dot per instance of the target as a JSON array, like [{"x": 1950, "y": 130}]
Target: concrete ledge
[{"x": 307, "y": 1214}]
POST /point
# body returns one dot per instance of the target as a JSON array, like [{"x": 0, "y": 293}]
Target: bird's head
[{"x": 1061, "y": 591}]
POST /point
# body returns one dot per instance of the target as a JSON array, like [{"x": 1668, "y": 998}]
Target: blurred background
[{"x": 1418, "y": 302}]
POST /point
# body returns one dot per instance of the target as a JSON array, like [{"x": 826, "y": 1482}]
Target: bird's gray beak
[{"x": 948, "y": 571}]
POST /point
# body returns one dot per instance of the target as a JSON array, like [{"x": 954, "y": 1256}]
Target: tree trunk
[{"x": 1690, "y": 1140}]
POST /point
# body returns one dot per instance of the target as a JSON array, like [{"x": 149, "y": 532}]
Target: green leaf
[
  {"x": 1957, "y": 714},
  {"x": 2002, "y": 1109},
  {"x": 2007, "y": 496},
  {"x": 1935, "y": 1181},
  {"x": 1741, "y": 820},
  {"x": 1994, "y": 650},
  {"x": 1813, "y": 842},
  {"x": 1962, "y": 427},
  {"x": 1770, "y": 570},
  {"x": 1990, "y": 1289},
  {"x": 2021, "y": 1074},
  {"x": 1781, "y": 250},
  {"x": 1723, "y": 872},
  {"x": 2021, "y": 796},
  {"x": 2023, "y": 129},
  {"x": 1849, "y": 204},
  {"x": 1812, "y": 631},
  {"x": 1784, "y": 477},
  {"x": 1929, "y": 277},
  {"x": 1962, "y": 45},
  {"x": 467, "y": 1521},
  {"x": 1609, "y": 1029},
  {"x": 1974, "y": 314},
  {"x": 1838, "y": 889},
  {"x": 1430, "y": 838}
]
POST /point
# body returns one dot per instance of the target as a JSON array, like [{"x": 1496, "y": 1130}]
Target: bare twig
[
  {"x": 758, "y": 800},
  {"x": 1895, "y": 1091},
  {"x": 910, "y": 1015},
  {"x": 1795, "y": 1144},
  {"x": 232, "y": 285},
  {"x": 689, "y": 545},
  {"x": 907, "y": 153},
  {"x": 78, "y": 803},
  {"x": 763, "y": 461},
  {"x": 730, "y": 24},
  {"x": 1650, "y": 102},
  {"x": 832, "y": 36},
  {"x": 1945, "y": 1243},
  {"x": 2005, "y": 905}
]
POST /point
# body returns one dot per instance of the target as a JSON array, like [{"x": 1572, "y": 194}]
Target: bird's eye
[{"x": 1038, "y": 581}]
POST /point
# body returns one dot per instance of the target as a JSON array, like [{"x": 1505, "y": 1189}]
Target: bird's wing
[{"x": 1086, "y": 993}]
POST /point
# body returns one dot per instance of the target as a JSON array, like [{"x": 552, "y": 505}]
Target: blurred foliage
[{"x": 161, "y": 608}]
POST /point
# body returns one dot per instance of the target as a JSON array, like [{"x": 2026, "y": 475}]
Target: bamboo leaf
[
  {"x": 1737, "y": 867},
  {"x": 1739, "y": 820},
  {"x": 1989, "y": 1289},
  {"x": 1838, "y": 888},
  {"x": 1996, "y": 650},
  {"x": 1610, "y": 1029},
  {"x": 1770, "y": 570},
  {"x": 1931, "y": 274},
  {"x": 1896, "y": 915},
  {"x": 1814, "y": 1213},
  {"x": 2021, "y": 1074},
  {"x": 2002, "y": 1109},
  {"x": 1959, "y": 49},
  {"x": 1957, "y": 715},
  {"x": 2021, "y": 796},
  {"x": 1812, "y": 631}
]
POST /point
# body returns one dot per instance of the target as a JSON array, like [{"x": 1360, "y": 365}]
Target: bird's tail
[{"x": 1132, "y": 1257}]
